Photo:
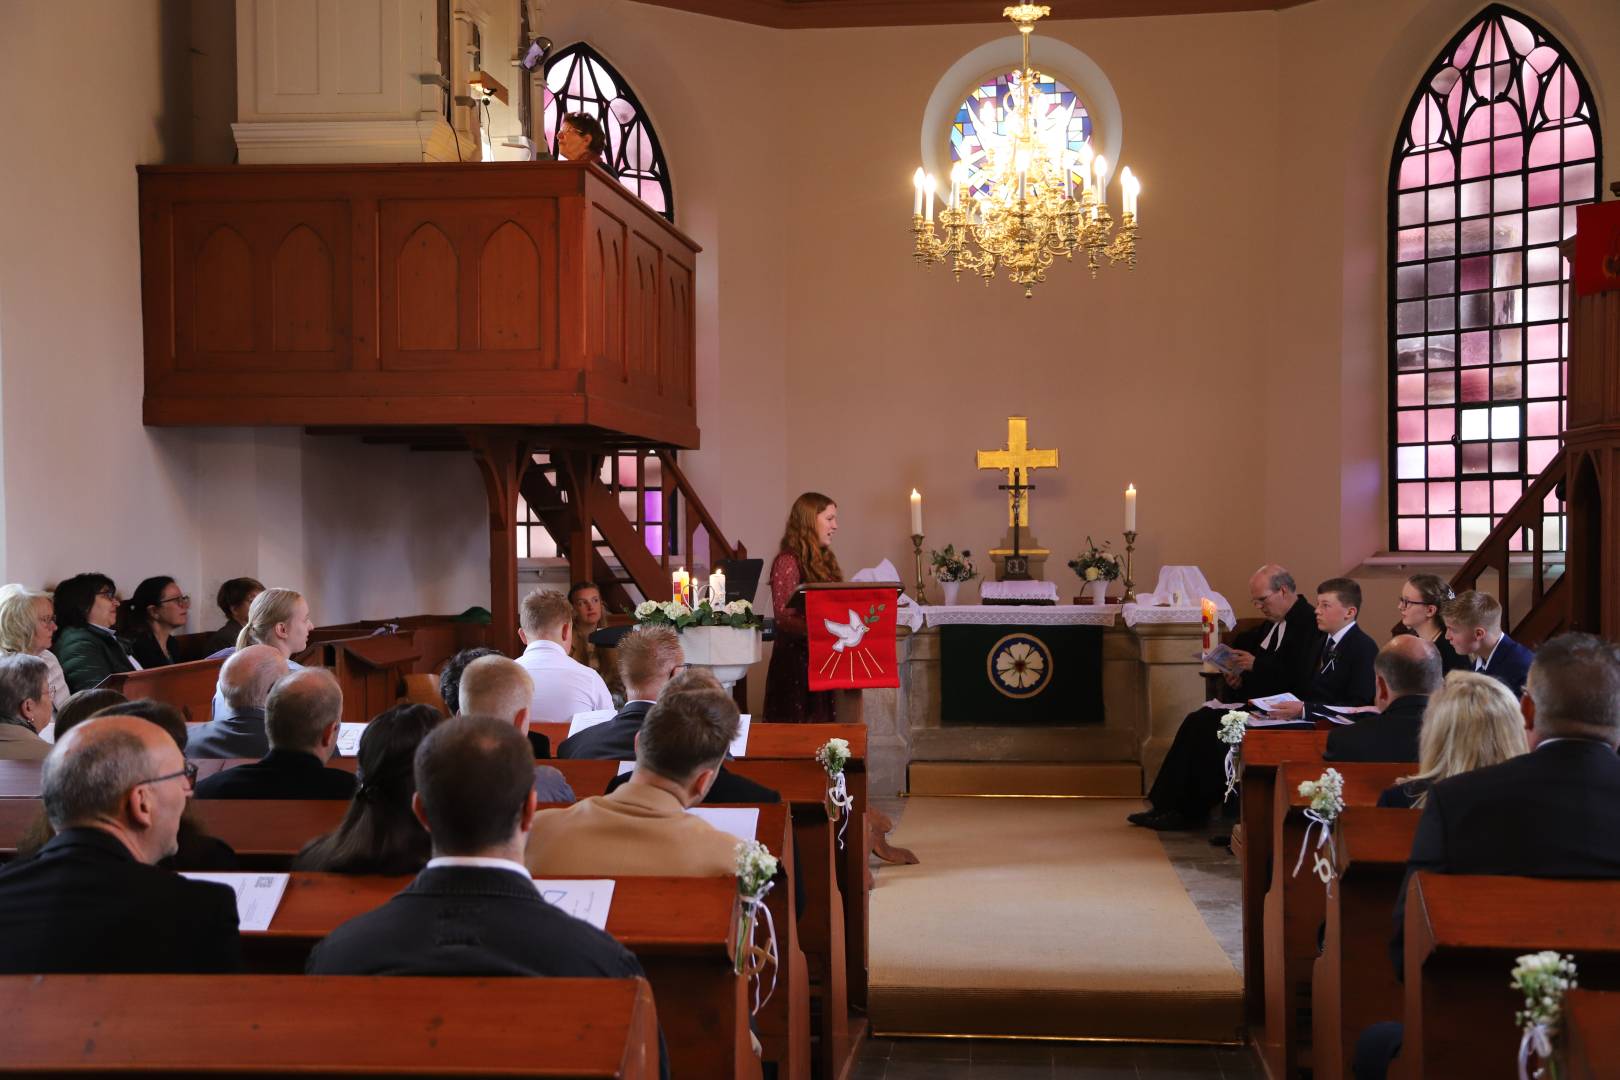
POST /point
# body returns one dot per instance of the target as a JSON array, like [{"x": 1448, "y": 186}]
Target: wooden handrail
[
  {"x": 675, "y": 480},
  {"x": 1495, "y": 550}
]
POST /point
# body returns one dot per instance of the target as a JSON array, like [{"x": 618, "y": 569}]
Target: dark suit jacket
[
  {"x": 613, "y": 739},
  {"x": 1401, "y": 796},
  {"x": 1554, "y": 812},
  {"x": 1287, "y": 669},
  {"x": 462, "y": 920},
  {"x": 1349, "y": 681},
  {"x": 1510, "y": 664},
  {"x": 83, "y": 904},
  {"x": 1391, "y": 735},
  {"x": 280, "y": 774},
  {"x": 541, "y": 745}
]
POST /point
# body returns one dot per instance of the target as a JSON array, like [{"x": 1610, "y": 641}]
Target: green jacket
[{"x": 88, "y": 656}]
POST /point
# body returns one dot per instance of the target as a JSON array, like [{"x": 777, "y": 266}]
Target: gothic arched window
[
  {"x": 1498, "y": 146},
  {"x": 578, "y": 79}
]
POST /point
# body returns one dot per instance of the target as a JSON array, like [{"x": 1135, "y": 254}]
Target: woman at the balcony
[{"x": 581, "y": 138}]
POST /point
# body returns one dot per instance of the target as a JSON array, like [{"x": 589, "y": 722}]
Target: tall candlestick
[
  {"x": 917, "y": 179},
  {"x": 1130, "y": 508},
  {"x": 916, "y": 513}
]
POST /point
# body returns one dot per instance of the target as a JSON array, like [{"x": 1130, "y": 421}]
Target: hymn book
[{"x": 257, "y": 896}]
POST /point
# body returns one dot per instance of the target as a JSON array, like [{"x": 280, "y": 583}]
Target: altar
[{"x": 1021, "y": 665}]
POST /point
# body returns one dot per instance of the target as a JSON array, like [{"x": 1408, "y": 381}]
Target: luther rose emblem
[{"x": 1020, "y": 665}]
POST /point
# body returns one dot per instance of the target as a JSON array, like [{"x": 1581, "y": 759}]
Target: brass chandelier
[{"x": 1030, "y": 215}]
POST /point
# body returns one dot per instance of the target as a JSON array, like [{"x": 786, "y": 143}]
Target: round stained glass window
[{"x": 985, "y": 120}]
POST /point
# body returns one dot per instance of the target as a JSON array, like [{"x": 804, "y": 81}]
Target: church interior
[{"x": 1207, "y": 420}]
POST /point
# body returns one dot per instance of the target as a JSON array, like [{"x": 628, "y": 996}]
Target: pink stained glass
[
  {"x": 1410, "y": 498},
  {"x": 1545, "y": 149},
  {"x": 1442, "y": 425},
  {"x": 1409, "y": 462},
  {"x": 1506, "y": 493},
  {"x": 1476, "y": 496},
  {"x": 1476, "y": 160},
  {"x": 1463, "y": 57},
  {"x": 1542, "y": 418},
  {"x": 1409, "y": 428},
  {"x": 1543, "y": 301},
  {"x": 1545, "y": 263},
  {"x": 1539, "y": 454},
  {"x": 1442, "y": 461},
  {"x": 1544, "y": 341},
  {"x": 1543, "y": 380},
  {"x": 1442, "y": 533},
  {"x": 1505, "y": 457},
  {"x": 1495, "y": 120},
  {"x": 1476, "y": 385},
  {"x": 1412, "y": 173},
  {"x": 1476, "y": 349},
  {"x": 1441, "y": 387},
  {"x": 1509, "y": 346},
  {"x": 1442, "y": 497},
  {"x": 1476, "y": 457},
  {"x": 1411, "y": 534},
  {"x": 1579, "y": 182},
  {"x": 1409, "y": 244},
  {"x": 1544, "y": 190},
  {"x": 1409, "y": 389},
  {"x": 1411, "y": 208},
  {"x": 1578, "y": 142},
  {"x": 1428, "y": 124},
  {"x": 1508, "y": 192},
  {"x": 1476, "y": 273},
  {"x": 1509, "y": 154}
]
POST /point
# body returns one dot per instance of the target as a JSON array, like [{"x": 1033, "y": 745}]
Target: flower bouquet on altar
[
  {"x": 1097, "y": 566},
  {"x": 951, "y": 568},
  {"x": 739, "y": 614}
]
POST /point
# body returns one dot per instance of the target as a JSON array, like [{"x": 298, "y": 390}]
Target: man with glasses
[
  {"x": 1271, "y": 659},
  {"x": 92, "y": 900}
]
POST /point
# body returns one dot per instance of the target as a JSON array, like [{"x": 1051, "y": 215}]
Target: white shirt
[
  {"x": 1482, "y": 664},
  {"x": 482, "y": 862},
  {"x": 562, "y": 685}
]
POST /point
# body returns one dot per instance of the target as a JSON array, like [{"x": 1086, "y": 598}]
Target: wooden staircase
[{"x": 1540, "y": 510}]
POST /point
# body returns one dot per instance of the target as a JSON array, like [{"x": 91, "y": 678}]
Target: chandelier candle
[{"x": 1028, "y": 213}]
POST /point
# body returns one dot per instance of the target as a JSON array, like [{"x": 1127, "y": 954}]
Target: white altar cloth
[
  {"x": 1022, "y": 614},
  {"x": 1046, "y": 591}
]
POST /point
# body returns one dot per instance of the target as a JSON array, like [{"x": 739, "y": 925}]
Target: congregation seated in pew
[
  {"x": 235, "y": 599},
  {"x": 1406, "y": 671},
  {"x": 1320, "y": 656},
  {"x": 92, "y": 899},
  {"x": 245, "y": 680},
  {"x": 1423, "y": 598},
  {"x": 380, "y": 833},
  {"x": 81, "y": 706},
  {"x": 450, "y": 683},
  {"x": 642, "y": 827},
  {"x": 156, "y": 612},
  {"x": 27, "y": 624},
  {"x": 86, "y": 644},
  {"x": 25, "y": 707},
  {"x": 278, "y": 618},
  {"x": 562, "y": 685},
  {"x": 474, "y": 909},
  {"x": 1553, "y": 812},
  {"x": 1470, "y": 722},
  {"x": 301, "y": 719},
  {"x": 1474, "y": 628},
  {"x": 498, "y": 687}
]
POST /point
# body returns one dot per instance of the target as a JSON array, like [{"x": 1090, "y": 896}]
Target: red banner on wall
[
  {"x": 851, "y": 638},
  {"x": 1597, "y": 248}
]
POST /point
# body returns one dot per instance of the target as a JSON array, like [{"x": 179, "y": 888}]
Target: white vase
[
  {"x": 728, "y": 651},
  {"x": 950, "y": 589},
  {"x": 1098, "y": 590}
]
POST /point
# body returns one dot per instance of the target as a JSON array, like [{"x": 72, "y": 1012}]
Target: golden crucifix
[{"x": 1018, "y": 456}]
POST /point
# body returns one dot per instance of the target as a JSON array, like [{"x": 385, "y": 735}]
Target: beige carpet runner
[{"x": 1042, "y": 917}]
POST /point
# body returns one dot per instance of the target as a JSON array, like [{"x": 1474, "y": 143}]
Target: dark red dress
[{"x": 788, "y": 698}]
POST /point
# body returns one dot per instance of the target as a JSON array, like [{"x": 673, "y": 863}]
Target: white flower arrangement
[
  {"x": 1234, "y": 725},
  {"x": 756, "y": 867},
  {"x": 674, "y": 610},
  {"x": 739, "y": 614},
  {"x": 646, "y": 609},
  {"x": 1326, "y": 793},
  {"x": 833, "y": 756},
  {"x": 739, "y": 607},
  {"x": 948, "y": 566},
  {"x": 1543, "y": 978}
]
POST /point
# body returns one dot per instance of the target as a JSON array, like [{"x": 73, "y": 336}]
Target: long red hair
[{"x": 816, "y": 560}]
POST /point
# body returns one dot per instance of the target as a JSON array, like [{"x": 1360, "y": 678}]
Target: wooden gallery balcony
[{"x": 514, "y": 295}]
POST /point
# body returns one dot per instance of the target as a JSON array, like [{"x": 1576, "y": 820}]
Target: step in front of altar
[{"x": 1093, "y": 779}]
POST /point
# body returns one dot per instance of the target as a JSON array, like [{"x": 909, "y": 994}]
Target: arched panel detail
[
  {"x": 509, "y": 290},
  {"x": 429, "y": 293},
  {"x": 224, "y": 291},
  {"x": 301, "y": 297}
]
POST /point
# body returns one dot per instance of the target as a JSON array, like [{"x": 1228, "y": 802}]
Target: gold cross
[{"x": 1018, "y": 455}]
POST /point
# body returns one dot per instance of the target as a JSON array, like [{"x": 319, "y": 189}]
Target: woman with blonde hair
[
  {"x": 280, "y": 619},
  {"x": 27, "y": 625},
  {"x": 1473, "y": 721},
  {"x": 805, "y": 555}
]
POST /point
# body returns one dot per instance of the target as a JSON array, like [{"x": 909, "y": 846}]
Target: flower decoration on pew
[
  {"x": 739, "y": 614},
  {"x": 1543, "y": 978},
  {"x": 756, "y": 871},
  {"x": 833, "y": 756},
  {"x": 1326, "y": 794},
  {"x": 1234, "y": 725}
]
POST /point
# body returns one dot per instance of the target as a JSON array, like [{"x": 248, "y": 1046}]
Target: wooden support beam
[{"x": 502, "y": 458}]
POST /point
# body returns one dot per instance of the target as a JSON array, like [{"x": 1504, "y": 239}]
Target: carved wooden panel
[
  {"x": 677, "y": 374},
  {"x": 641, "y": 311},
  {"x": 257, "y": 288},
  {"x": 468, "y": 284},
  {"x": 604, "y": 292}
]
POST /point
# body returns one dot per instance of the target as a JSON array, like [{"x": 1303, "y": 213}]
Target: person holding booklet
[{"x": 1344, "y": 661}]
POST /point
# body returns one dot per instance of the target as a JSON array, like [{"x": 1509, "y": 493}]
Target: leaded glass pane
[
  {"x": 578, "y": 79},
  {"x": 986, "y": 118}
]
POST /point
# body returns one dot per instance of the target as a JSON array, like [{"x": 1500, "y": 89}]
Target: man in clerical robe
[{"x": 1272, "y": 659}]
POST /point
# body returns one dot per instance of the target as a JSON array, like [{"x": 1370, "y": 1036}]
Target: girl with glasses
[{"x": 1419, "y": 606}]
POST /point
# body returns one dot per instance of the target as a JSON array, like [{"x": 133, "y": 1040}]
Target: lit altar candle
[
  {"x": 681, "y": 582},
  {"x": 1130, "y": 508},
  {"x": 1207, "y": 608},
  {"x": 916, "y": 513},
  {"x": 917, "y": 179},
  {"x": 717, "y": 588}
]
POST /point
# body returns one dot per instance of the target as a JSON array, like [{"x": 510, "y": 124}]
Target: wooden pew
[
  {"x": 1296, "y": 905},
  {"x": 1263, "y": 752},
  {"x": 679, "y": 928},
  {"x": 1350, "y": 989},
  {"x": 157, "y": 1025},
  {"x": 188, "y": 687},
  {"x": 371, "y": 671},
  {"x": 437, "y": 637},
  {"x": 1462, "y": 936},
  {"x": 1587, "y": 1048}
]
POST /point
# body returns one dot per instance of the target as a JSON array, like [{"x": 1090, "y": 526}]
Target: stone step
[{"x": 1107, "y": 779}]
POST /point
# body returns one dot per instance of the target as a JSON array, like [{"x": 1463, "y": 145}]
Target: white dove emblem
[{"x": 848, "y": 636}]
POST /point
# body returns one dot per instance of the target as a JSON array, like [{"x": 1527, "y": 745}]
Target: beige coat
[
  {"x": 637, "y": 830},
  {"x": 17, "y": 743}
]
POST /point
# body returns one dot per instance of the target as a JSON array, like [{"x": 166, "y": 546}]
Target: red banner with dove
[{"x": 851, "y": 638}]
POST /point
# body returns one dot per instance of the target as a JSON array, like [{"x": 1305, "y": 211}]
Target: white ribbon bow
[
  {"x": 1231, "y": 771},
  {"x": 1322, "y": 867},
  {"x": 1537, "y": 1037},
  {"x": 753, "y": 906},
  {"x": 840, "y": 797}
]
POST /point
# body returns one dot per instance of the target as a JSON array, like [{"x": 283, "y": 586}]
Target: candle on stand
[
  {"x": 916, "y": 513},
  {"x": 1130, "y": 507},
  {"x": 682, "y": 585},
  {"x": 717, "y": 589}
]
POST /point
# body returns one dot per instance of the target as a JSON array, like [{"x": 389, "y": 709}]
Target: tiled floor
[{"x": 1211, "y": 877}]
